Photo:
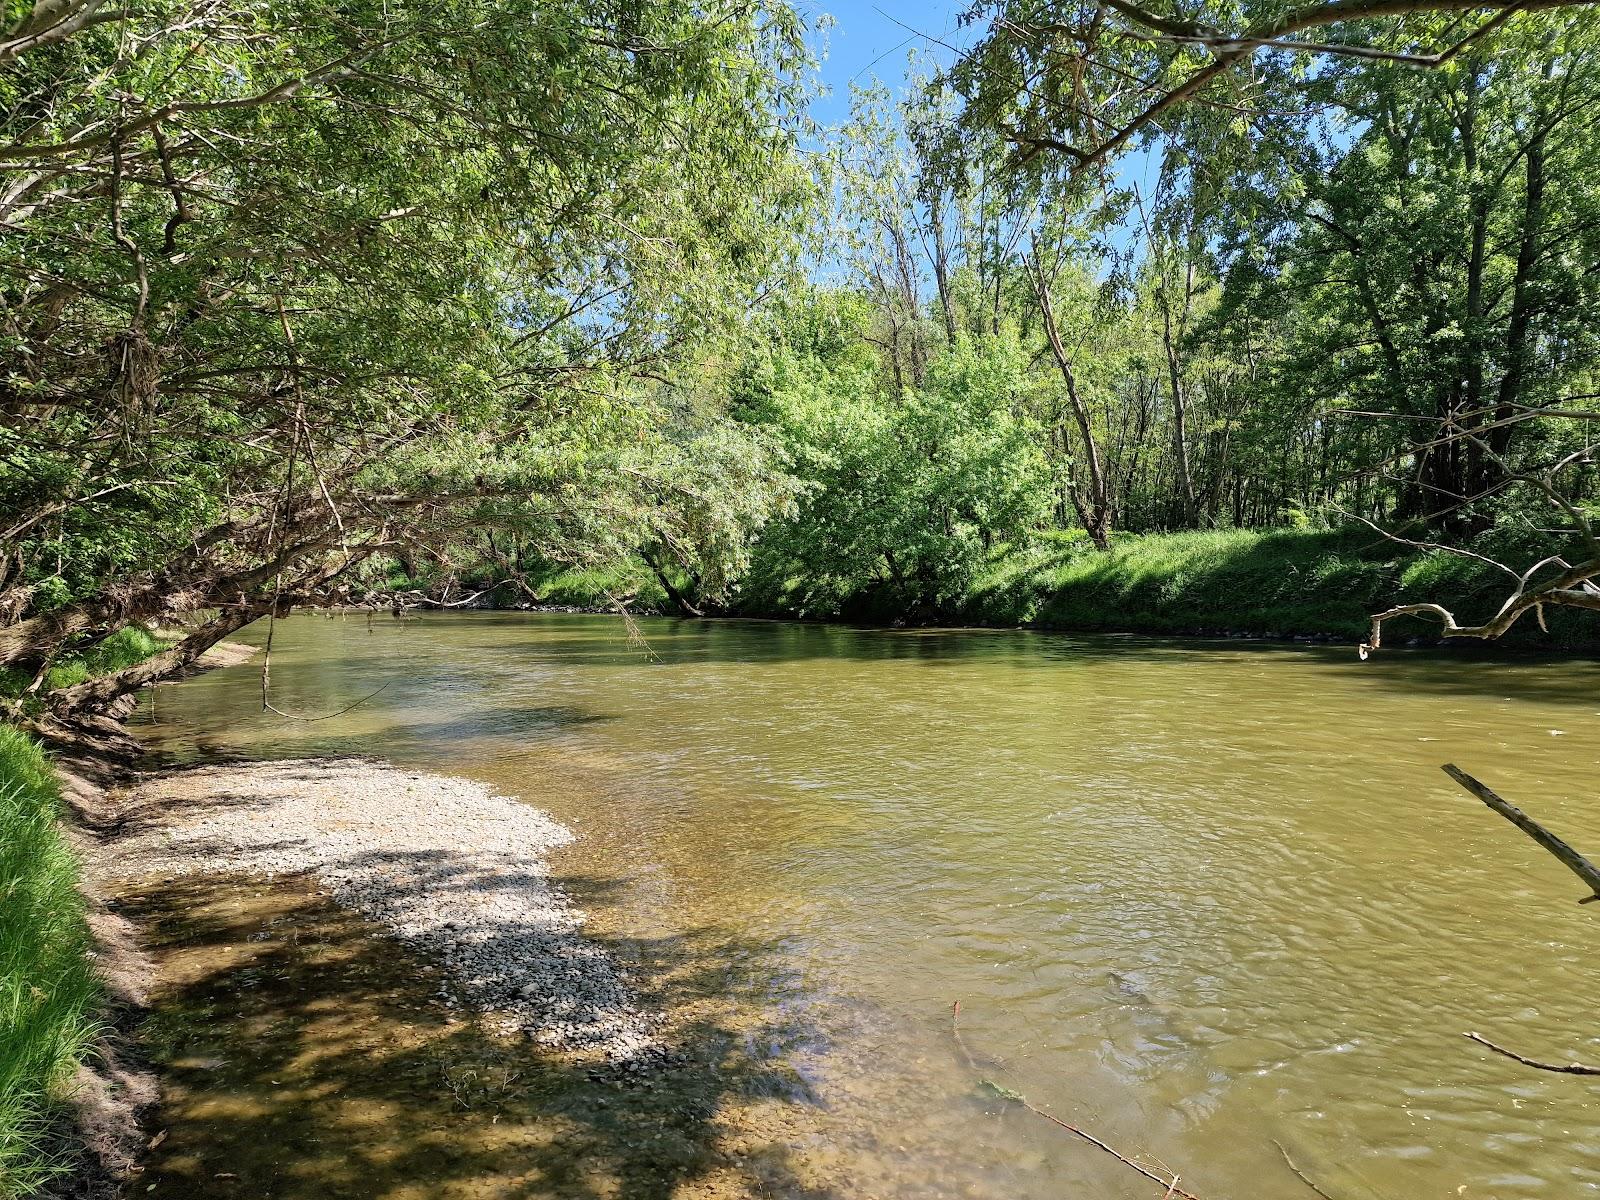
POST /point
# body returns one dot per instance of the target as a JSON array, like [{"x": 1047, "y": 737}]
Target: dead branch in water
[
  {"x": 1571, "y": 1068},
  {"x": 1304, "y": 1178},
  {"x": 961, "y": 1043},
  {"x": 1564, "y": 853},
  {"x": 1018, "y": 1098}
]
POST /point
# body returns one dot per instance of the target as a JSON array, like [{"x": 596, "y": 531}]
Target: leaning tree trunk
[
  {"x": 1094, "y": 509},
  {"x": 678, "y": 598},
  {"x": 96, "y": 695}
]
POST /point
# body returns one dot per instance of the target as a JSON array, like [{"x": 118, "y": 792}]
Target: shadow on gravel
[{"x": 305, "y": 1056}]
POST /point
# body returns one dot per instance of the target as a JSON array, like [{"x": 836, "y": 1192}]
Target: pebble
[{"x": 446, "y": 865}]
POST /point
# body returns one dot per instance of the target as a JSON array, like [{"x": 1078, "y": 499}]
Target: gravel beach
[{"x": 444, "y": 864}]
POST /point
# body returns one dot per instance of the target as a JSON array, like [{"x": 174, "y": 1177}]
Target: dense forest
[{"x": 339, "y": 304}]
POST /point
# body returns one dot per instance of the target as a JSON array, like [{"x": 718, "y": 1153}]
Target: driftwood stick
[
  {"x": 1568, "y": 857},
  {"x": 961, "y": 1043},
  {"x": 1171, "y": 1185},
  {"x": 1304, "y": 1178},
  {"x": 1007, "y": 1094},
  {"x": 1570, "y": 1068}
]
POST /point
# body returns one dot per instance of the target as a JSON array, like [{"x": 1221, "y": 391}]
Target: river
[{"x": 1212, "y": 901}]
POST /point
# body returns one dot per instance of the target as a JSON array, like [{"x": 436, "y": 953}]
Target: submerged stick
[
  {"x": 1171, "y": 1185},
  {"x": 1304, "y": 1178},
  {"x": 1016, "y": 1097},
  {"x": 1571, "y": 1068},
  {"x": 961, "y": 1043},
  {"x": 1563, "y": 852}
]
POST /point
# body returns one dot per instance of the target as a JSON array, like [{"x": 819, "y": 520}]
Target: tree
[
  {"x": 284, "y": 297},
  {"x": 1390, "y": 184},
  {"x": 1070, "y": 86},
  {"x": 901, "y": 493}
]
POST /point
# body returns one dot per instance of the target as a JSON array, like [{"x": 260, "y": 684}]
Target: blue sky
[{"x": 873, "y": 39}]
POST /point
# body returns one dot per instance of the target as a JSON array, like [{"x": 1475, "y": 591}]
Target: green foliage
[
  {"x": 901, "y": 495},
  {"x": 48, "y": 990},
  {"x": 1427, "y": 263},
  {"x": 377, "y": 277},
  {"x": 599, "y": 587},
  {"x": 465, "y": 287},
  {"x": 129, "y": 645}
]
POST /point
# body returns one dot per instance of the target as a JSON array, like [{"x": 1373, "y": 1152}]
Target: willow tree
[
  {"x": 1413, "y": 179},
  {"x": 286, "y": 291}
]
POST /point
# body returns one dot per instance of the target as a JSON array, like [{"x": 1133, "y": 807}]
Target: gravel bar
[{"x": 444, "y": 864}]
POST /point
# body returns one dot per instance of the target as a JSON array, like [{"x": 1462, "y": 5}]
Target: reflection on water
[{"x": 1200, "y": 899}]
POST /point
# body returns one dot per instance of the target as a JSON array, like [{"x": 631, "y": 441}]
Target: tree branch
[
  {"x": 1570, "y": 1068},
  {"x": 1563, "y": 852}
]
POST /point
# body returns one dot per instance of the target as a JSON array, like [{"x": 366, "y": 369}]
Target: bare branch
[
  {"x": 1420, "y": 545},
  {"x": 1563, "y": 852},
  {"x": 1570, "y": 1068}
]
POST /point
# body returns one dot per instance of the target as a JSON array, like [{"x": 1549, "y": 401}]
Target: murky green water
[{"x": 1202, "y": 899}]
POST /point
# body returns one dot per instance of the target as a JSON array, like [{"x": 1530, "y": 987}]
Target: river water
[{"x": 1213, "y": 902}]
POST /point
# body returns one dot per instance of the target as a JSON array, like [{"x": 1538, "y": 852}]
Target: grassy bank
[
  {"x": 48, "y": 990},
  {"x": 122, "y": 649},
  {"x": 1279, "y": 583},
  {"x": 1273, "y": 583}
]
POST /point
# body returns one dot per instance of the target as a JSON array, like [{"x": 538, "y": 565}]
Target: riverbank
[
  {"x": 453, "y": 871},
  {"x": 49, "y": 992},
  {"x": 72, "y": 977},
  {"x": 363, "y": 980},
  {"x": 440, "y": 880},
  {"x": 211, "y": 919},
  {"x": 1283, "y": 584}
]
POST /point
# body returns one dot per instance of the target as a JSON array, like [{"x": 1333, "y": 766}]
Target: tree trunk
[
  {"x": 677, "y": 597},
  {"x": 1095, "y": 508},
  {"x": 98, "y": 694},
  {"x": 1521, "y": 300},
  {"x": 941, "y": 271},
  {"x": 1180, "y": 405}
]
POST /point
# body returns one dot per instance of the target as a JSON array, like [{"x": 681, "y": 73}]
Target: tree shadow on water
[{"x": 306, "y": 1055}]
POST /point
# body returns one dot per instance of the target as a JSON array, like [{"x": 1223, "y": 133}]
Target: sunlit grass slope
[{"x": 48, "y": 989}]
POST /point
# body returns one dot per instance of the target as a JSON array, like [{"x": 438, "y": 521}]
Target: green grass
[
  {"x": 1282, "y": 582},
  {"x": 589, "y": 587},
  {"x": 124, "y": 648},
  {"x": 1274, "y": 582},
  {"x": 48, "y": 989},
  {"x": 1268, "y": 582}
]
